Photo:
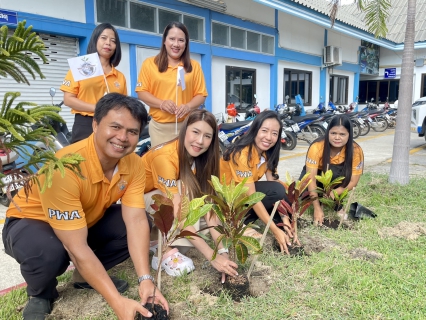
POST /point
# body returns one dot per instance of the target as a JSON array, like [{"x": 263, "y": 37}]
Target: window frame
[
  {"x": 245, "y": 38},
  {"x": 297, "y": 71},
  {"x": 157, "y": 22},
  {"x": 240, "y": 70},
  {"x": 338, "y": 76},
  {"x": 377, "y": 90}
]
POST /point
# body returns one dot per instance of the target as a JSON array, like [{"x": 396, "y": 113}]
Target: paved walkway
[{"x": 377, "y": 152}]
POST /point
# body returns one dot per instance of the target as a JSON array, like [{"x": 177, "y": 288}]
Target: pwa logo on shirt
[
  {"x": 66, "y": 215},
  {"x": 311, "y": 161},
  {"x": 66, "y": 83},
  {"x": 167, "y": 182},
  {"x": 360, "y": 166},
  {"x": 139, "y": 84},
  {"x": 244, "y": 174}
]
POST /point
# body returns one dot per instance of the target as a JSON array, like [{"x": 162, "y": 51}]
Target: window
[
  {"x": 240, "y": 87},
  {"x": 378, "y": 90},
  {"x": 146, "y": 17},
  {"x": 423, "y": 87},
  {"x": 298, "y": 82},
  {"x": 228, "y": 36},
  {"x": 142, "y": 17},
  {"x": 112, "y": 11},
  {"x": 339, "y": 89}
]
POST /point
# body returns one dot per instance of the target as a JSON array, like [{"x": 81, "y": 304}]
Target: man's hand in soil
[{"x": 146, "y": 290}]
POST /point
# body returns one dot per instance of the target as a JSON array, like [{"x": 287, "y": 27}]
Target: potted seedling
[
  {"x": 231, "y": 203},
  {"x": 331, "y": 199},
  {"x": 299, "y": 200},
  {"x": 171, "y": 229}
]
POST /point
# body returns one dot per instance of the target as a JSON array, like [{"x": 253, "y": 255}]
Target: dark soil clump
[
  {"x": 238, "y": 287},
  {"x": 294, "y": 251},
  {"x": 158, "y": 314}
]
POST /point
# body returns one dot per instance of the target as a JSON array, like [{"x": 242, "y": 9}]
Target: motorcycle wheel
[
  {"x": 290, "y": 142},
  {"x": 315, "y": 128},
  {"x": 381, "y": 124},
  {"x": 356, "y": 129},
  {"x": 364, "y": 131}
]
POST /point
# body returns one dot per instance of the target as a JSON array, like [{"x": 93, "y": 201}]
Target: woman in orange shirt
[
  {"x": 191, "y": 159},
  {"x": 82, "y": 96},
  {"x": 157, "y": 84},
  {"x": 254, "y": 155},
  {"x": 336, "y": 151}
]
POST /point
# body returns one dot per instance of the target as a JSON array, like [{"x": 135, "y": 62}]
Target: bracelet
[
  {"x": 145, "y": 277},
  {"x": 162, "y": 105},
  {"x": 223, "y": 250}
]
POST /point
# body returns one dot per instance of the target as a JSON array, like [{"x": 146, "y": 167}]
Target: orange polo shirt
[
  {"x": 164, "y": 86},
  {"x": 162, "y": 168},
  {"x": 254, "y": 170},
  {"x": 93, "y": 89},
  {"x": 73, "y": 203},
  {"x": 314, "y": 157}
]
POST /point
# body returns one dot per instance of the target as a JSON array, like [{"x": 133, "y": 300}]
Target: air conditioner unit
[{"x": 332, "y": 55}]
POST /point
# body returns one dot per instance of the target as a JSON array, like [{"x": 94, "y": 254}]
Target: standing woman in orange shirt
[
  {"x": 82, "y": 96},
  {"x": 157, "y": 84}
]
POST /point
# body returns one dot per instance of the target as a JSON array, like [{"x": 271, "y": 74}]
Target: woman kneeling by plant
[
  {"x": 254, "y": 155},
  {"x": 338, "y": 152},
  {"x": 192, "y": 159}
]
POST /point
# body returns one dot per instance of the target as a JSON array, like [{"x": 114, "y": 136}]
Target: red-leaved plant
[{"x": 299, "y": 200}]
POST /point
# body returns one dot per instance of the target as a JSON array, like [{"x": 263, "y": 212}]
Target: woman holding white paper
[
  {"x": 82, "y": 96},
  {"x": 171, "y": 84}
]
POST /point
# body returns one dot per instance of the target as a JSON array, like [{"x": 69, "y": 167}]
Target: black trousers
[
  {"x": 42, "y": 257},
  {"x": 82, "y": 128},
  {"x": 273, "y": 191}
]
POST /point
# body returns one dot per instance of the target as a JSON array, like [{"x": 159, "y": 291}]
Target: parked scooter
[
  {"x": 230, "y": 132},
  {"x": 8, "y": 166}
]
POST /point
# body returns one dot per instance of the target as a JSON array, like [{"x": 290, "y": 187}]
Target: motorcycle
[
  {"x": 230, "y": 132},
  {"x": 8, "y": 169}
]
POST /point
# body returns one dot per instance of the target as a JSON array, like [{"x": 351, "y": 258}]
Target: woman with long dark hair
[
  {"x": 157, "y": 84},
  {"x": 254, "y": 155},
  {"x": 82, "y": 96},
  {"x": 191, "y": 159},
  {"x": 336, "y": 151}
]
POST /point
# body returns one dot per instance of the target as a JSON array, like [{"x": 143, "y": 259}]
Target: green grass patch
[{"x": 337, "y": 283}]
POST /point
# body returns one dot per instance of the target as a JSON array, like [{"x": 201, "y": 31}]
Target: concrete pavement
[{"x": 377, "y": 153}]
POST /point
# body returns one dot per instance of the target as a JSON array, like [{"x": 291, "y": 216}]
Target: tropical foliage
[
  {"x": 25, "y": 123},
  {"x": 231, "y": 204}
]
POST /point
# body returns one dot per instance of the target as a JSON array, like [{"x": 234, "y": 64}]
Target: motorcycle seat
[
  {"x": 234, "y": 125},
  {"x": 304, "y": 118}
]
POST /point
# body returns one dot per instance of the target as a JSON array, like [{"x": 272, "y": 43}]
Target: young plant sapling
[
  {"x": 231, "y": 203},
  {"x": 299, "y": 200},
  {"x": 173, "y": 228},
  {"x": 329, "y": 195}
]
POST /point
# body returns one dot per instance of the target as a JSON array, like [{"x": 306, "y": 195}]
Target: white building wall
[
  {"x": 298, "y": 35},
  {"x": 251, "y": 10},
  {"x": 300, "y": 66},
  {"x": 62, "y": 9},
  {"x": 349, "y": 45},
  {"x": 219, "y": 83}
]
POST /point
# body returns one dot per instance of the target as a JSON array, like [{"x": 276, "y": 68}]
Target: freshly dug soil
[
  {"x": 238, "y": 287},
  {"x": 158, "y": 314}
]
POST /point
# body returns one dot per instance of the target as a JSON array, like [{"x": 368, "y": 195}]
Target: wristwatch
[{"x": 145, "y": 277}]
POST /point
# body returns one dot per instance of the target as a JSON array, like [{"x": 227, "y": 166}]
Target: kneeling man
[{"x": 78, "y": 219}]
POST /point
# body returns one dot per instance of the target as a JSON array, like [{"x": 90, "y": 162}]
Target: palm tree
[
  {"x": 19, "y": 125},
  {"x": 376, "y": 14}
]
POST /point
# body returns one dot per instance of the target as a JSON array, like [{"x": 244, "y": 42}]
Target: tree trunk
[{"x": 399, "y": 171}]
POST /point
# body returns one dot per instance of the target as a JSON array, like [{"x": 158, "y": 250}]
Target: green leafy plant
[
  {"x": 26, "y": 122},
  {"x": 329, "y": 195},
  {"x": 299, "y": 200},
  {"x": 231, "y": 203},
  {"x": 173, "y": 228}
]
